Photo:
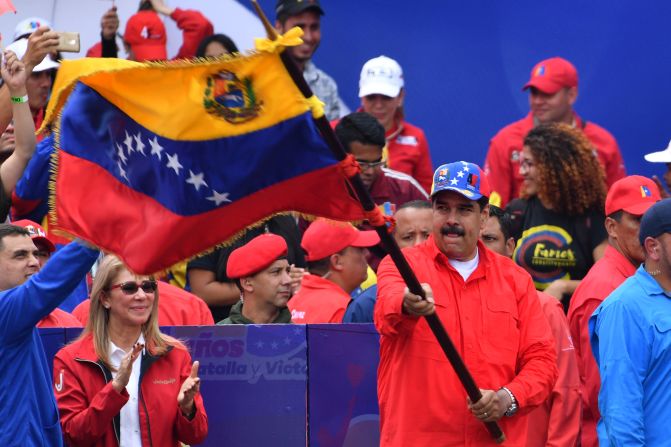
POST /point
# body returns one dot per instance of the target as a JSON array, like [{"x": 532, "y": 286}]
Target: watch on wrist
[{"x": 512, "y": 409}]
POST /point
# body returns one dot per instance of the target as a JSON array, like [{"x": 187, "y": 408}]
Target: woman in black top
[{"x": 560, "y": 219}]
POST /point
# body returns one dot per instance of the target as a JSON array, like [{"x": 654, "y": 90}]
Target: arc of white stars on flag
[{"x": 197, "y": 180}]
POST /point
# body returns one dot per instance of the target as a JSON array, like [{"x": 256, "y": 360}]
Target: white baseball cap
[
  {"x": 19, "y": 48},
  {"x": 28, "y": 26},
  {"x": 381, "y": 76},
  {"x": 663, "y": 156}
]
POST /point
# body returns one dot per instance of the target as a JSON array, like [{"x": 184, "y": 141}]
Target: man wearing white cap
[
  {"x": 35, "y": 52},
  {"x": 663, "y": 156},
  {"x": 382, "y": 92}
]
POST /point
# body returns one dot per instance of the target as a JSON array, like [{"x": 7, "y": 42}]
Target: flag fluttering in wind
[
  {"x": 158, "y": 162},
  {"x": 6, "y": 6}
]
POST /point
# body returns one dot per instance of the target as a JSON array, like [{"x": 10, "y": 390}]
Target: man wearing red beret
[
  {"x": 336, "y": 255},
  {"x": 261, "y": 272}
]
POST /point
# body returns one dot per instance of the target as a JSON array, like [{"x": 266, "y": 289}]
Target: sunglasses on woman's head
[{"x": 131, "y": 287}]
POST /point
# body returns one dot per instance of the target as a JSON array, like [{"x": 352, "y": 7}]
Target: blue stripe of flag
[{"x": 188, "y": 177}]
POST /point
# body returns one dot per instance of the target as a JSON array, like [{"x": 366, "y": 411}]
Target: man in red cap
[
  {"x": 553, "y": 89},
  {"x": 488, "y": 305},
  {"x": 336, "y": 255},
  {"x": 58, "y": 317},
  {"x": 261, "y": 272},
  {"x": 627, "y": 200}
]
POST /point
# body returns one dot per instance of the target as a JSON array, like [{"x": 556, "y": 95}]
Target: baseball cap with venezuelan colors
[
  {"x": 468, "y": 179},
  {"x": 633, "y": 194},
  {"x": 551, "y": 75}
]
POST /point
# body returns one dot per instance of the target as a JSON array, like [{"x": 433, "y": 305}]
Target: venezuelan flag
[{"x": 159, "y": 162}]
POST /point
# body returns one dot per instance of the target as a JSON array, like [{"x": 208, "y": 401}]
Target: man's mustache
[{"x": 452, "y": 229}]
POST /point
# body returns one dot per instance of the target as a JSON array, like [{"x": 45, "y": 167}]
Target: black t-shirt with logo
[{"x": 553, "y": 246}]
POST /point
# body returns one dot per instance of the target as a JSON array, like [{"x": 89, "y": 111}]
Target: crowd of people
[{"x": 550, "y": 269}]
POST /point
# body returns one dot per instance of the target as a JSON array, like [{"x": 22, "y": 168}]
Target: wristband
[{"x": 19, "y": 99}]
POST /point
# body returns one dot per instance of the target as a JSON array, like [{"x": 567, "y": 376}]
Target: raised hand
[
  {"x": 109, "y": 24},
  {"x": 123, "y": 374},
  {"x": 188, "y": 392},
  {"x": 42, "y": 42},
  {"x": 161, "y": 7},
  {"x": 14, "y": 73}
]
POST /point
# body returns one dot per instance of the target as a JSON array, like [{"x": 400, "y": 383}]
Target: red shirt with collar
[
  {"x": 556, "y": 422},
  {"x": 496, "y": 323},
  {"x": 502, "y": 165},
  {"x": 318, "y": 301},
  {"x": 409, "y": 153},
  {"x": 176, "y": 307},
  {"x": 604, "y": 277}
]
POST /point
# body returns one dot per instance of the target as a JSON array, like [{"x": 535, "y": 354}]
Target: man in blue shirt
[
  {"x": 28, "y": 411},
  {"x": 630, "y": 333}
]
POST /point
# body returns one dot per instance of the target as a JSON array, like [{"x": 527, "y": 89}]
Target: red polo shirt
[
  {"x": 604, "y": 277},
  {"x": 502, "y": 165},
  {"x": 556, "y": 422},
  {"x": 318, "y": 301},
  {"x": 496, "y": 323}
]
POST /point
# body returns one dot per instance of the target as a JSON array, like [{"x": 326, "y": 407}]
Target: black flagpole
[{"x": 387, "y": 240}]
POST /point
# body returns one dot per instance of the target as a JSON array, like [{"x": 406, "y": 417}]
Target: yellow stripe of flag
[{"x": 170, "y": 99}]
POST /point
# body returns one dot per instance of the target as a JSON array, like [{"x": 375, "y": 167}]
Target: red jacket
[
  {"x": 556, "y": 422},
  {"x": 88, "y": 403},
  {"x": 502, "y": 165},
  {"x": 59, "y": 318},
  {"x": 409, "y": 153},
  {"x": 604, "y": 277},
  {"x": 496, "y": 324},
  {"x": 176, "y": 307},
  {"x": 318, "y": 301}
]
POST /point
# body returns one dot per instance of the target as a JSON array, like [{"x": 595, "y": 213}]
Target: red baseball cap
[
  {"x": 326, "y": 237},
  {"x": 37, "y": 233},
  {"x": 255, "y": 255},
  {"x": 633, "y": 194},
  {"x": 145, "y": 33},
  {"x": 551, "y": 75}
]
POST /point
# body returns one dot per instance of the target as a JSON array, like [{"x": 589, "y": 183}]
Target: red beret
[
  {"x": 324, "y": 238},
  {"x": 255, "y": 255}
]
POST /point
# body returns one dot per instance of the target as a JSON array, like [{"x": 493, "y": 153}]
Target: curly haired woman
[{"x": 560, "y": 230}]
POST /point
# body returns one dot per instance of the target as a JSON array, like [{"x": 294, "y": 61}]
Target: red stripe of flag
[{"x": 150, "y": 238}]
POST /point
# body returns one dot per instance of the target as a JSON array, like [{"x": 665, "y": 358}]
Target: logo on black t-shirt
[{"x": 544, "y": 251}]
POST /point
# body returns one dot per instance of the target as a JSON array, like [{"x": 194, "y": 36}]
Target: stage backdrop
[
  {"x": 280, "y": 384},
  {"x": 464, "y": 62}
]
